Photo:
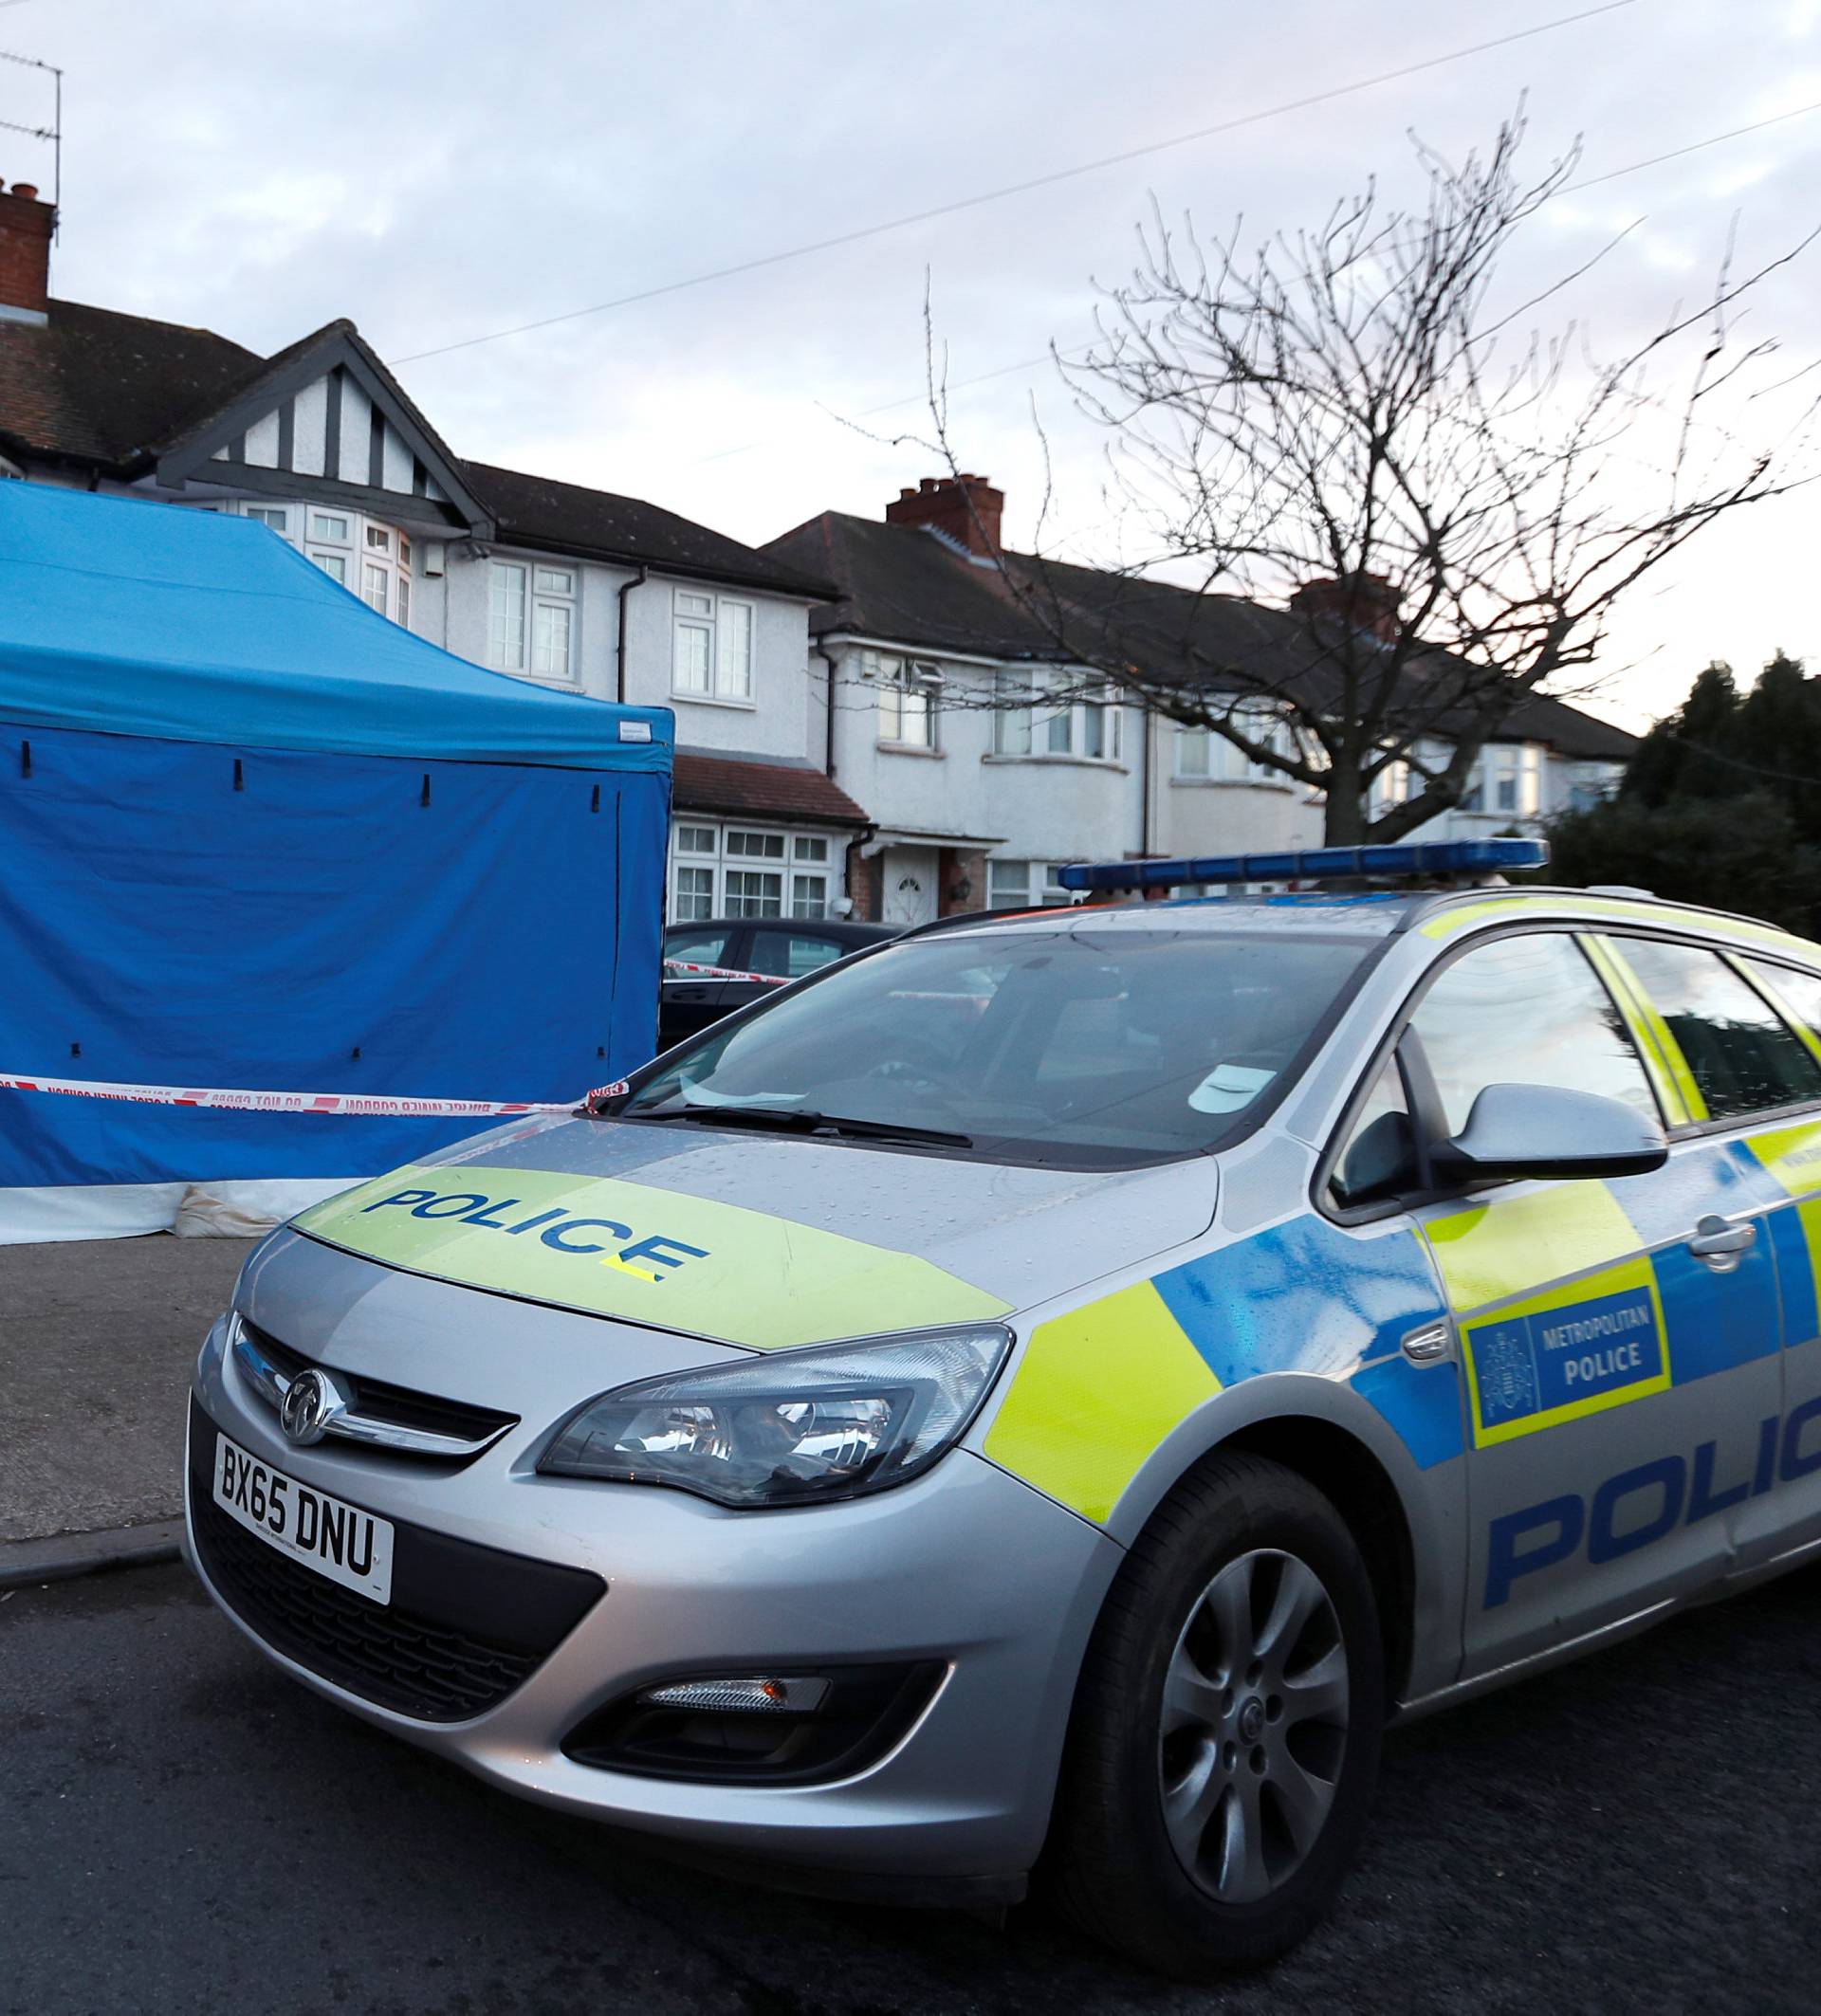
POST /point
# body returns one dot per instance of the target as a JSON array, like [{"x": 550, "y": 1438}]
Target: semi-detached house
[
  {"x": 550, "y": 581},
  {"x": 933, "y": 676},
  {"x": 860, "y": 714}
]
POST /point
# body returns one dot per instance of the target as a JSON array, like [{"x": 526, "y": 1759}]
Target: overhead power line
[
  {"x": 1018, "y": 189},
  {"x": 1079, "y": 355}
]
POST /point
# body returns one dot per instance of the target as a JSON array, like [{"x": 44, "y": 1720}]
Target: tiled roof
[
  {"x": 541, "y": 511},
  {"x": 109, "y": 391},
  {"x": 104, "y": 389},
  {"x": 904, "y": 585},
  {"x": 776, "y": 791}
]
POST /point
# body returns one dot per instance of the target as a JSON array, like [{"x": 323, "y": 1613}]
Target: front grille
[
  {"x": 467, "y": 1624},
  {"x": 398, "y": 1406}
]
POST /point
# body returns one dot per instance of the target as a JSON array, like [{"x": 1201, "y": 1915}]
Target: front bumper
[{"x": 964, "y": 1565}]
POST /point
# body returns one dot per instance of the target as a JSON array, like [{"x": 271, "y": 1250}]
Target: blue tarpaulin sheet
[{"x": 254, "y": 836}]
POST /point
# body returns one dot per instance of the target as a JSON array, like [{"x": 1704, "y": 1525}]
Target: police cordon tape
[
  {"x": 373, "y": 1105},
  {"x": 689, "y": 966}
]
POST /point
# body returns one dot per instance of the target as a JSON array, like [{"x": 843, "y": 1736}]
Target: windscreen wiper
[{"x": 799, "y": 1120}]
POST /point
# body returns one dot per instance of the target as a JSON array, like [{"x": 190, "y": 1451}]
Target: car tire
[{"x": 1225, "y": 1735}]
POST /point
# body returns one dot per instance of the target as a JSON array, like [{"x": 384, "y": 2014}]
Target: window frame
[
  {"x": 896, "y": 672},
  {"x": 1033, "y": 881},
  {"x": 1736, "y": 960},
  {"x": 1227, "y": 763},
  {"x": 1420, "y": 1090},
  {"x": 534, "y": 600},
  {"x": 791, "y": 865},
  {"x": 721, "y": 690}
]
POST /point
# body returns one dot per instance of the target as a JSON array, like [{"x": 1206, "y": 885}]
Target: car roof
[
  {"x": 1440, "y": 914},
  {"x": 857, "y": 928}
]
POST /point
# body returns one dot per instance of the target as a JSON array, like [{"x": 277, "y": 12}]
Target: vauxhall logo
[{"x": 643, "y": 1258}]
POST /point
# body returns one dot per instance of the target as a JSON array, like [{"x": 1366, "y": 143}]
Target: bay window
[
  {"x": 1203, "y": 754},
  {"x": 1027, "y": 722},
  {"x": 734, "y": 869},
  {"x": 1025, "y": 886}
]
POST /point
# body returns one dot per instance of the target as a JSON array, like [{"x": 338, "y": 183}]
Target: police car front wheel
[{"x": 1226, "y": 1731}]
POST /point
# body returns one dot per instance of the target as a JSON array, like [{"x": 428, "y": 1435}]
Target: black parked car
[{"x": 784, "y": 946}]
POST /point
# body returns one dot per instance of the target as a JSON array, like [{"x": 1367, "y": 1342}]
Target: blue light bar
[{"x": 1318, "y": 863}]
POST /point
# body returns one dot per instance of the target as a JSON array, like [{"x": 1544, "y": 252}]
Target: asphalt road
[{"x": 183, "y": 1828}]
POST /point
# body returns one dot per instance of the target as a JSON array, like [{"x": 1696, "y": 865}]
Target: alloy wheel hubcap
[{"x": 1254, "y": 1726}]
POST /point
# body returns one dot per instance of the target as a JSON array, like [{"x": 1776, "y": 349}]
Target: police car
[{"x": 1056, "y": 1389}]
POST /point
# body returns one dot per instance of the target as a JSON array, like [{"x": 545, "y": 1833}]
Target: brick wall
[
  {"x": 960, "y": 881},
  {"x": 25, "y": 249},
  {"x": 864, "y": 885}
]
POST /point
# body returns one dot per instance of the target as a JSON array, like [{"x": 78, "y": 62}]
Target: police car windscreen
[{"x": 1097, "y": 1049}]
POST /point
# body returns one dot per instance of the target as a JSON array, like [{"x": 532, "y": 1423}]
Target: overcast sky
[{"x": 439, "y": 169}]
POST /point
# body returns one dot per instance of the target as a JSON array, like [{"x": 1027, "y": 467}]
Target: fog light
[
  {"x": 758, "y": 1727},
  {"x": 753, "y": 1695}
]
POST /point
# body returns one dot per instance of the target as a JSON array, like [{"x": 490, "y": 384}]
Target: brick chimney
[
  {"x": 24, "y": 254},
  {"x": 966, "y": 509},
  {"x": 1367, "y": 601}
]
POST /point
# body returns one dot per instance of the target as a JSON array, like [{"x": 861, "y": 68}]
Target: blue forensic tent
[{"x": 255, "y": 837}]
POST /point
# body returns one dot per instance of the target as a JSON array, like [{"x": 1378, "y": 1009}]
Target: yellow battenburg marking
[
  {"x": 1792, "y": 1156},
  {"x": 622, "y": 1248},
  {"x": 1489, "y": 1251},
  {"x": 1662, "y": 1052},
  {"x": 1496, "y": 908},
  {"x": 1094, "y": 1393},
  {"x": 1633, "y": 1276}
]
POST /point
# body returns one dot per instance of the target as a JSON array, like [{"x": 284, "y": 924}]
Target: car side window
[
  {"x": 791, "y": 954},
  {"x": 1527, "y": 1010},
  {"x": 701, "y": 949},
  {"x": 1380, "y": 1156},
  {"x": 1797, "y": 994},
  {"x": 1744, "y": 1058}
]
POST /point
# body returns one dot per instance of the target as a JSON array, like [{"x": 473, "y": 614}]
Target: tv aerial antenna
[{"x": 54, "y": 134}]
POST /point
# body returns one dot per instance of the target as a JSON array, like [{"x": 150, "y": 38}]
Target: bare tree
[{"x": 1401, "y": 514}]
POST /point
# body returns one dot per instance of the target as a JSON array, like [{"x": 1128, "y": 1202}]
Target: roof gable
[{"x": 325, "y": 407}]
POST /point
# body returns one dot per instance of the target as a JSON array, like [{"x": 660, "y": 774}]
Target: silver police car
[{"x": 1056, "y": 1389}]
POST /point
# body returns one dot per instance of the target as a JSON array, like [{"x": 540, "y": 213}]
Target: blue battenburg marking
[
  {"x": 1717, "y": 1322},
  {"x": 1794, "y": 1275},
  {"x": 1421, "y": 1403},
  {"x": 1533, "y": 1365},
  {"x": 1310, "y": 1296}
]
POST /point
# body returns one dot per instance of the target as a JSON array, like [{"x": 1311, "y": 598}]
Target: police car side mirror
[{"x": 1545, "y": 1130}]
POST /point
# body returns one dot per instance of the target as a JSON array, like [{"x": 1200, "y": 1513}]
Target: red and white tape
[
  {"x": 373, "y": 1105},
  {"x": 689, "y": 966}
]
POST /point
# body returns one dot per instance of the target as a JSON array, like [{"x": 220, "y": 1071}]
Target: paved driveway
[{"x": 97, "y": 1338}]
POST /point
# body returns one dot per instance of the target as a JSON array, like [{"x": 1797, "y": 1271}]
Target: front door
[
  {"x": 1614, "y": 1333},
  {"x": 908, "y": 893}
]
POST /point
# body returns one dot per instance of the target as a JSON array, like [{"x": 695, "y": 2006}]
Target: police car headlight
[{"x": 802, "y": 1425}]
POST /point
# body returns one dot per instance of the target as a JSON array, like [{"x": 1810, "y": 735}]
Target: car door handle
[{"x": 1723, "y": 1245}]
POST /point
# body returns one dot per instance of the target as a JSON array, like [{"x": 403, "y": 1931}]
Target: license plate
[{"x": 329, "y": 1537}]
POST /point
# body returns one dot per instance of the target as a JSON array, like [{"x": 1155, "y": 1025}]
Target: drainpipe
[
  {"x": 1144, "y": 732},
  {"x": 625, "y": 589},
  {"x": 828, "y": 713}
]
